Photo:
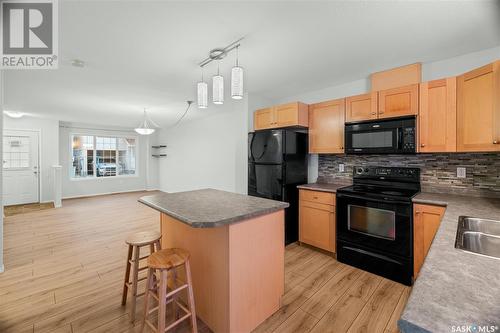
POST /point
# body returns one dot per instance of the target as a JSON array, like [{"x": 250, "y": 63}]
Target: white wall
[
  {"x": 1, "y": 169},
  {"x": 49, "y": 152},
  {"x": 92, "y": 186},
  {"x": 430, "y": 71},
  {"x": 208, "y": 152}
]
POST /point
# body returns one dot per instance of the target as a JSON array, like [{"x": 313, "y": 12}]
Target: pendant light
[
  {"x": 218, "y": 88},
  {"x": 202, "y": 93},
  {"x": 147, "y": 126},
  {"x": 237, "y": 79}
]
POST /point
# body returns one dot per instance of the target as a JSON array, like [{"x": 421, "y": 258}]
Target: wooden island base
[{"x": 237, "y": 269}]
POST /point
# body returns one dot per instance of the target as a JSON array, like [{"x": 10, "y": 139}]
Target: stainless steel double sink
[{"x": 480, "y": 236}]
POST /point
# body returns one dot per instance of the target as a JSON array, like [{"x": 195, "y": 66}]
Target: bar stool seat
[
  {"x": 143, "y": 238},
  {"x": 166, "y": 262},
  {"x": 168, "y": 258},
  {"x": 135, "y": 242}
]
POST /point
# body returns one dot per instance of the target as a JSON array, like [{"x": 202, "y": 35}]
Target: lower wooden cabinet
[
  {"x": 317, "y": 219},
  {"x": 426, "y": 221}
]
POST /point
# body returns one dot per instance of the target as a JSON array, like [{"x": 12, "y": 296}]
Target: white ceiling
[{"x": 145, "y": 53}]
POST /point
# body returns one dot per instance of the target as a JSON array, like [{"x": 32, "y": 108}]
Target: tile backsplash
[{"x": 438, "y": 171}]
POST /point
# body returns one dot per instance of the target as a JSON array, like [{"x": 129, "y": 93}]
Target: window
[
  {"x": 16, "y": 152},
  {"x": 102, "y": 156}
]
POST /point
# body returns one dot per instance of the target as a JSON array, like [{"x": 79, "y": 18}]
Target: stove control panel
[{"x": 386, "y": 173}]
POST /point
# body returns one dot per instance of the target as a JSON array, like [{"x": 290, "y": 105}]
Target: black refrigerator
[{"x": 277, "y": 163}]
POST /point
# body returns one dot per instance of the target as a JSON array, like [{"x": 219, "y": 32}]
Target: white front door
[{"x": 20, "y": 167}]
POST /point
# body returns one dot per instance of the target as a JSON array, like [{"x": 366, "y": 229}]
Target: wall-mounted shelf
[
  {"x": 159, "y": 155},
  {"x": 159, "y": 146}
]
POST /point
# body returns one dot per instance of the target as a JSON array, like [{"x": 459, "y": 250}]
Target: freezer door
[
  {"x": 265, "y": 181},
  {"x": 265, "y": 147}
]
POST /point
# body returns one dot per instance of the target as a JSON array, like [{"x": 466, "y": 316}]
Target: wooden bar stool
[
  {"x": 165, "y": 262},
  {"x": 135, "y": 243}
]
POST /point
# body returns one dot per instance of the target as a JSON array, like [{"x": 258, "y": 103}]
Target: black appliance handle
[
  {"x": 341, "y": 195},
  {"x": 399, "y": 133},
  {"x": 371, "y": 254}
]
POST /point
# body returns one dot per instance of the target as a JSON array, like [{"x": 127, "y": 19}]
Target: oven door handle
[
  {"x": 371, "y": 254},
  {"x": 341, "y": 195}
]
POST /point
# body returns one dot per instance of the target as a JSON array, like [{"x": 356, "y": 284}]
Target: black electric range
[{"x": 375, "y": 221}]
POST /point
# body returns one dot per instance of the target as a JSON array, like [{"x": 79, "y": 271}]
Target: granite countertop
[
  {"x": 324, "y": 187},
  {"x": 454, "y": 288},
  {"x": 209, "y": 208}
]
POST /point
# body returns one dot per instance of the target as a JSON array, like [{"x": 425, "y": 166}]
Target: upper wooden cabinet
[
  {"x": 478, "y": 109},
  {"x": 361, "y": 107},
  {"x": 437, "y": 124},
  {"x": 396, "y": 102},
  {"x": 263, "y": 118},
  {"x": 326, "y": 127},
  {"x": 426, "y": 221},
  {"x": 285, "y": 115},
  {"x": 396, "y": 77}
]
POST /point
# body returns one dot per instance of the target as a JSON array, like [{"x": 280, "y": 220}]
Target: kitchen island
[{"x": 237, "y": 249}]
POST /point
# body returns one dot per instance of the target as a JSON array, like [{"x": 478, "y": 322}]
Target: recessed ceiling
[{"x": 145, "y": 53}]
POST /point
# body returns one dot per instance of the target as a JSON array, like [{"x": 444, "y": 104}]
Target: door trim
[{"x": 40, "y": 169}]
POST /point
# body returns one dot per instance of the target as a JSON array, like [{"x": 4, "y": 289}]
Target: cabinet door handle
[
  {"x": 417, "y": 212},
  {"x": 374, "y": 113},
  {"x": 495, "y": 142},
  {"x": 422, "y": 145}
]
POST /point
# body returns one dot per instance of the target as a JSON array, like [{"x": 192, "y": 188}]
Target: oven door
[{"x": 384, "y": 225}]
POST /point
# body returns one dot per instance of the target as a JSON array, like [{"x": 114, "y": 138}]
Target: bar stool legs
[
  {"x": 191, "y": 296},
  {"x": 135, "y": 243},
  {"x": 166, "y": 267},
  {"x": 127, "y": 275}
]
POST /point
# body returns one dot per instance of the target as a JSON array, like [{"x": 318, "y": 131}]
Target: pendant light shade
[
  {"x": 147, "y": 126},
  {"x": 218, "y": 88},
  {"x": 237, "y": 82},
  {"x": 237, "y": 79},
  {"x": 202, "y": 95}
]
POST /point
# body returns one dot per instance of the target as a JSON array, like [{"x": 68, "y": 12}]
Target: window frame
[{"x": 94, "y": 136}]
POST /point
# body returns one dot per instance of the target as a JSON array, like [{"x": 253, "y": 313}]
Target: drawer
[{"x": 317, "y": 196}]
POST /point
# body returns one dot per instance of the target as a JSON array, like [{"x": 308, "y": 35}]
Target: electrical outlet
[
  {"x": 341, "y": 167},
  {"x": 461, "y": 172}
]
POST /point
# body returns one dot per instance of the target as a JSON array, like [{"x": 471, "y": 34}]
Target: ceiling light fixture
[
  {"x": 237, "y": 79},
  {"x": 14, "y": 114},
  {"x": 202, "y": 93},
  {"x": 218, "y": 80},
  {"x": 147, "y": 126},
  {"x": 218, "y": 88}
]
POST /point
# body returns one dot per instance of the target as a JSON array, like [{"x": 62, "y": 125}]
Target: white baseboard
[
  {"x": 1, "y": 268},
  {"x": 99, "y": 194}
]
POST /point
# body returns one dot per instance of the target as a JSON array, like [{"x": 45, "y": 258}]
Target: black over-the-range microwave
[{"x": 391, "y": 136}]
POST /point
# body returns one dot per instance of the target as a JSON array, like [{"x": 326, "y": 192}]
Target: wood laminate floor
[{"x": 65, "y": 266}]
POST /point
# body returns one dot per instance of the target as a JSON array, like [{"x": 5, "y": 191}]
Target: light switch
[
  {"x": 461, "y": 172},
  {"x": 341, "y": 167}
]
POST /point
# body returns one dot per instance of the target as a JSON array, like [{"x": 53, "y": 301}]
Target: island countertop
[
  {"x": 210, "y": 208},
  {"x": 454, "y": 288}
]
